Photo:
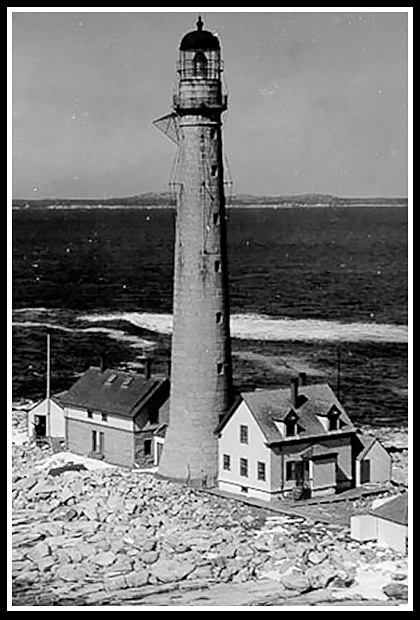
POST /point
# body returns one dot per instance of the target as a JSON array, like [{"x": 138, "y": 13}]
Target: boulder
[
  {"x": 321, "y": 575},
  {"x": 316, "y": 557},
  {"x": 136, "y": 579},
  {"x": 69, "y": 572},
  {"x": 297, "y": 582},
  {"x": 166, "y": 571},
  {"x": 149, "y": 557},
  {"x": 105, "y": 558},
  {"x": 396, "y": 590}
]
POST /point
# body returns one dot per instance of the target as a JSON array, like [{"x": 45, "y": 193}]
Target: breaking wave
[
  {"x": 262, "y": 327},
  {"x": 116, "y": 334}
]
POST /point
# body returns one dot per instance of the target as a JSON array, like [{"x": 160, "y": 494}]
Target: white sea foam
[
  {"x": 116, "y": 334},
  {"x": 261, "y": 327}
]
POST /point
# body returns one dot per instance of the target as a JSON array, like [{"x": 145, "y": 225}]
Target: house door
[
  {"x": 159, "y": 447},
  {"x": 302, "y": 473},
  {"x": 364, "y": 471},
  {"x": 40, "y": 426}
]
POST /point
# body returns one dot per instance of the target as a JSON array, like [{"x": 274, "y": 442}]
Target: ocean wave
[
  {"x": 116, "y": 334},
  {"x": 262, "y": 327}
]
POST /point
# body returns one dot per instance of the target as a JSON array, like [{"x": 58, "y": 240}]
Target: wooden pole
[
  {"x": 338, "y": 371},
  {"x": 48, "y": 425}
]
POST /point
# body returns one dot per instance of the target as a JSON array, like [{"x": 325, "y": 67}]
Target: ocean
[{"x": 322, "y": 290}]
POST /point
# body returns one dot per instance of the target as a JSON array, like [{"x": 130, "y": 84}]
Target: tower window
[
  {"x": 217, "y": 266},
  {"x": 200, "y": 65},
  {"x": 216, "y": 217},
  {"x": 213, "y": 170},
  {"x": 213, "y": 133},
  {"x": 220, "y": 368},
  {"x": 218, "y": 317}
]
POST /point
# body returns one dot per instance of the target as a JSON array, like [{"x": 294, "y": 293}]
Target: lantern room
[{"x": 199, "y": 69}]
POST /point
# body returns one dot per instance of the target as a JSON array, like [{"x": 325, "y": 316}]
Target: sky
[{"x": 317, "y": 101}]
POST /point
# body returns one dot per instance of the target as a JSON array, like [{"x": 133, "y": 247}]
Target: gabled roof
[
  {"x": 395, "y": 510},
  {"x": 271, "y": 406},
  {"x": 111, "y": 391},
  {"x": 367, "y": 442}
]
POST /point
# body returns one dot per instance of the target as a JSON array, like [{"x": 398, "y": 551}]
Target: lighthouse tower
[{"x": 201, "y": 373}]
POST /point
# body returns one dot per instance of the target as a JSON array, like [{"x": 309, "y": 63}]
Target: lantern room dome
[{"x": 199, "y": 39}]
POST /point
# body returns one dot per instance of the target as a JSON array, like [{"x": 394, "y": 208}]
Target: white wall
[
  {"x": 392, "y": 534},
  {"x": 254, "y": 451},
  {"x": 113, "y": 421},
  {"x": 56, "y": 422},
  {"x": 363, "y": 527}
]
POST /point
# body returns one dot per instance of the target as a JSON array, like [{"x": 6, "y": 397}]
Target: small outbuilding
[
  {"x": 46, "y": 418},
  {"x": 112, "y": 415},
  {"x": 373, "y": 463},
  {"x": 387, "y": 524}
]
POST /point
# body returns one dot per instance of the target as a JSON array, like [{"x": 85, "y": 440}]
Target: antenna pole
[
  {"x": 338, "y": 371},
  {"x": 48, "y": 381}
]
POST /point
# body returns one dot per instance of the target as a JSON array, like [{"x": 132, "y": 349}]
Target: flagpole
[{"x": 48, "y": 429}]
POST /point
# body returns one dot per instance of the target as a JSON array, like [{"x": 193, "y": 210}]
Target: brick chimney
[
  {"x": 147, "y": 368},
  {"x": 294, "y": 391},
  {"x": 102, "y": 363}
]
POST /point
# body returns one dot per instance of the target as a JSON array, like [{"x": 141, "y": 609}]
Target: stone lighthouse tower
[{"x": 201, "y": 373}]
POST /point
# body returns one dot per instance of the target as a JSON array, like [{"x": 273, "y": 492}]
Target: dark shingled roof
[
  {"x": 395, "y": 510},
  {"x": 111, "y": 391},
  {"x": 271, "y": 406}
]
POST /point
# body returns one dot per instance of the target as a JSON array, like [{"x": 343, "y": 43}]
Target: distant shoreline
[{"x": 238, "y": 201}]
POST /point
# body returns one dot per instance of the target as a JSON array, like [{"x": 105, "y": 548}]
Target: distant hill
[{"x": 164, "y": 199}]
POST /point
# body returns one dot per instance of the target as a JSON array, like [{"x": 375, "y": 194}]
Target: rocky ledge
[{"x": 113, "y": 536}]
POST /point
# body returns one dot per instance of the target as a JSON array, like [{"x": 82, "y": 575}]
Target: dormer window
[
  {"x": 334, "y": 420},
  {"x": 290, "y": 424}
]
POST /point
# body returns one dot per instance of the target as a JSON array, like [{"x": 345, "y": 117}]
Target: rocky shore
[{"x": 89, "y": 536}]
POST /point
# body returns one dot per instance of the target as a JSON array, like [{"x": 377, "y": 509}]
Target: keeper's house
[
  {"x": 113, "y": 415},
  {"x": 295, "y": 441}
]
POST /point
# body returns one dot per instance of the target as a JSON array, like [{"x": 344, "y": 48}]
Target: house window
[
  {"x": 291, "y": 470},
  {"x": 213, "y": 170},
  {"x": 213, "y": 132},
  {"x": 217, "y": 266},
  {"x": 216, "y": 217},
  {"x": 226, "y": 462},
  {"x": 243, "y": 467},
  {"x": 260, "y": 470},
  {"x": 104, "y": 417},
  {"x": 147, "y": 447},
  {"x": 218, "y": 317},
  {"x": 220, "y": 368},
  {"x": 89, "y": 414},
  {"x": 243, "y": 433},
  {"x": 244, "y": 489}
]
